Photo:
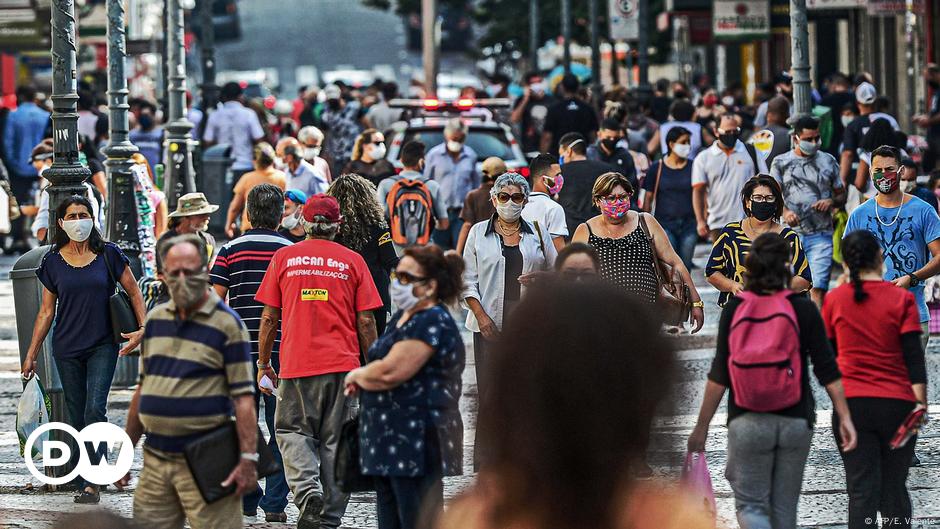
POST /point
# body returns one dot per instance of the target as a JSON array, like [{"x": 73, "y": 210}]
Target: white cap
[
  {"x": 332, "y": 92},
  {"x": 866, "y": 93}
]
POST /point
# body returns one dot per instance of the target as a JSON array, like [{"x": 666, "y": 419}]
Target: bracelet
[
  {"x": 698, "y": 304},
  {"x": 254, "y": 457},
  {"x": 264, "y": 365}
]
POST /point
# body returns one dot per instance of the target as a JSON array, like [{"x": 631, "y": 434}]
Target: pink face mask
[
  {"x": 556, "y": 187},
  {"x": 615, "y": 209}
]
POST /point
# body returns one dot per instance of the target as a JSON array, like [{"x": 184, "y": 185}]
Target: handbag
[
  {"x": 213, "y": 456},
  {"x": 123, "y": 319},
  {"x": 673, "y": 295},
  {"x": 659, "y": 175},
  {"x": 346, "y": 471}
]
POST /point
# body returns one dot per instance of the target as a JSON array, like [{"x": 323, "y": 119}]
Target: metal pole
[
  {"x": 566, "y": 33},
  {"x": 210, "y": 92},
  {"x": 595, "y": 55},
  {"x": 122, "y": 210},
  {"x": 533, "y": 35},
  {"x": 178, "y": 156},
  {"x": 643, "y": 44},
  {"x": 164, "y": 62},
  {"x": 799, "y": 40},
  {"x": 614, "y": 63},
  {"x": 429, "y": 45}
]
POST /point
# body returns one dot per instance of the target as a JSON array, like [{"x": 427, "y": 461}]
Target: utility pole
[
  {"x": 595, "y": 55},
  {"x": 178, "y": 156},
  {"x": 799, "y": 39},
  {"x": 122, "y": 211},
  {"x": 210, "y": 92},
  {"x": 643, "y": 45},
  {"x": 533, "y": 35},
  {"x": 566, "y": 33},
  {"x": 429, "y": 45}
]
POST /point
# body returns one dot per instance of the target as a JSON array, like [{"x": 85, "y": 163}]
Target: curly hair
[{"x": 361, "y": 211}]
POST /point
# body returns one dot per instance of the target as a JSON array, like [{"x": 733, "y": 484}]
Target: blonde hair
[
  {"x": 141, "y": 160},
  {"x": 361, "y": 141},
  {"x": 606, "y": 183}
]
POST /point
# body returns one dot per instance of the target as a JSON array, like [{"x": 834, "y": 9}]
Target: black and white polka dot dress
[{"x": 628, "y": 262}]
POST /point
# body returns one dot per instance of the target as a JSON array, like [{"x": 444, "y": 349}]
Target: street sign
[
  {"x": 834, "y": 4},
  {"x": 741, "y": 19},
  {"x": 883, "y": 8},
  {"x": 624, "y": 19},
  {"x": 21, "y": 27}
]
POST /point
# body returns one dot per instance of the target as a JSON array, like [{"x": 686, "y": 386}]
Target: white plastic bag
[{"x": 32, "y": 412}]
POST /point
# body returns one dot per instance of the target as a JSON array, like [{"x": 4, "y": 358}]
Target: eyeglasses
[
  {"x": 616, "y": 198},
  {"x": 184, "y": 272},
  {"x": 407, "y": 279},
  {"x": 518, "y": 198},
  {"x": 763, "y": 198}
]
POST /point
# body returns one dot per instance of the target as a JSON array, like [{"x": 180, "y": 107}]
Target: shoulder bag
[
  {"x": 673, "y": 295},
  {"x": 123, "y": 319},
  {"x": 346, "y": 470},
  {"x": 659, "y": 175}
]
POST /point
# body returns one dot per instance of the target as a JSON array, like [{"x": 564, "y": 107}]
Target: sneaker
[
  {"x": 310, "y": 515},
  {"x": 275, "y": 517}
]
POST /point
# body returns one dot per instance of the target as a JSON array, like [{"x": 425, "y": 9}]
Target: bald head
[{"x": 284, "y": 143}]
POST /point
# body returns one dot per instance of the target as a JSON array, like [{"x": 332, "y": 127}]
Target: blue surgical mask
[{"x": 561, "y": 161}]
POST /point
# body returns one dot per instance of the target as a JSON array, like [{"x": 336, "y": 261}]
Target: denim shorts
[{"x": 818, "y": 248}]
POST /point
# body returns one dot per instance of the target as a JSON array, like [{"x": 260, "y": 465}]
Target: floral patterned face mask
[
  {"x": 554, "y": 184},
  {"x": 616, "y": 208}
]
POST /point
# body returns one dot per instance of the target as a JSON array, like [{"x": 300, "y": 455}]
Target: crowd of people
[{"x": 335, "y": 295}]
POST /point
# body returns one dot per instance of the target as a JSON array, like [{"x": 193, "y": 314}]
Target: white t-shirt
[
  {"x": 725, "y": 176},
  {"x": 549, "y": 214},
  {"x": 42, "y": 217}
]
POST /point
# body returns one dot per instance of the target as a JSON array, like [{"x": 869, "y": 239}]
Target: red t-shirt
[
  {"x": 320, "y": 286},
  {"x": 868, "y": 336}
]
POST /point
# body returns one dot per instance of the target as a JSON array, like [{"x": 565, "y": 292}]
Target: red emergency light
[
  {"x": 464, "y": 104},
  {"x": 432, "y": 104}
]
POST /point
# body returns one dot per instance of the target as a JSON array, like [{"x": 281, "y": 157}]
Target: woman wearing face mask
[
  {"x": 763, "y": 205},
  {"x": 500, "y": 253},
  {"x": 78, "y": 276},
  {"x": 291, "y": 227},
  {"x": 368, "y": 157},
  {"x": 669, "y": 194},
  {"x": 410, "y": 429}
]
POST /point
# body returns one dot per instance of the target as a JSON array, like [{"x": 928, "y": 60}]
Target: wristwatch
[
  {"x": 262, "y": 365},
  {"x": 914, "y": 279},
  {"x": 698, "y": 304},
  {"x": 254, "y": 457}
]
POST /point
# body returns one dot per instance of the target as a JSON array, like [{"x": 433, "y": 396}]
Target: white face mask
[
  {"x": 78, "y": 230},
  {"x": 510, "y": 211},
  {"x": 291, "y": 221},
  {"x": 311, "y": 152},
  {"x": 908, "y": 186},
  {"x": 727, "y": 101},
  {"x": 846, "y": 120},
  {"x": 403, "y": 296},
  {"x": 378, "y": 152},
  {"x": 682, "y": 150},
  {"x": 454, "y": 146}
]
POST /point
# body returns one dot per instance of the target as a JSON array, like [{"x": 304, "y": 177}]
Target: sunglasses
[
  {"x": 407, "y": 279},
  {"x": 518, "y": 198},
  {"x": 615, "y": 198}
]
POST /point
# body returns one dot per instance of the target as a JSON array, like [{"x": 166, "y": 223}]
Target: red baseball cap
[{"x": 322, "y": 205}]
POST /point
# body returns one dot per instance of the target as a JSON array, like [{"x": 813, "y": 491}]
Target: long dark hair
[
  {"x": 762, "y": 180},
  {"x": 860, "y": 251},
  {"x": 95, "y": 241},
  {"x": 767, "y": 265},
  {"x": 444, "y": 267}
]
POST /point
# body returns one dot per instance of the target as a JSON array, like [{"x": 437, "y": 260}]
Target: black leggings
[{"x": 876, "y": 475}]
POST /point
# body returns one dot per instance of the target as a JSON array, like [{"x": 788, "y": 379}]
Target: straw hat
[{"x": 193, "y": 204}]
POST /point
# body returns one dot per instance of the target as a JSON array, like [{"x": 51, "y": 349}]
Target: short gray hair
[
  {"x": 188, "y": 238},
  {"x": 309, "y": 133},
  {"x": 321, "y": 228},
  {"x": 265, "y": 206},
  {"x": 455, "y": 125},
  {"x": 509, "y": 179}
]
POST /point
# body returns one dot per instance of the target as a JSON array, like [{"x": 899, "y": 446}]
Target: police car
[{"x": 424, "y": 120}]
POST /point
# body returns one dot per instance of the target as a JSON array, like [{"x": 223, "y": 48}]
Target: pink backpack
[{"x": 764, "y": 353}]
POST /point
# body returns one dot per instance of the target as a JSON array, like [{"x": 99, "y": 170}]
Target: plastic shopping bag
[
  {"x": 697, "y": 482},
  {"x": 32, "y": 412}
]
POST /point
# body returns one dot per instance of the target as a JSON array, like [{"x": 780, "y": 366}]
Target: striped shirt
[
  {"x": 190, "y": 370},
  {"x": 240, "y": 267}
]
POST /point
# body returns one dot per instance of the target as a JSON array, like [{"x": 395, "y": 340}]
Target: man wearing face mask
[
  {"x": 606, "y": 150},
  {"x": 579, "y": 174},
  {"x": 412, "y": 160},
  {"x": 311, "y": 138},
  {"x": 302, "y": 174},
  {"x": 530, "y": 110},
  {"x": 865, "y": 96},
  {"x": 341, "y": 121},
  {"x": 191, "y": 217},
  {"x": 291, "y": 228},
  {"x": 718, "y": 176},
  {"x": 812, "y": 190},
  {"x": 571, "y": 114},
  {"x": 931, "y": 120},
  {"x": 907, "y": 228},
  {"x": 452, "y": 165},
  {"x": 147, "y": 136},
  {"x": 236, "y": 125},
  {"x": 547, "y": 181},
  {"x": 910, "y": 186}
]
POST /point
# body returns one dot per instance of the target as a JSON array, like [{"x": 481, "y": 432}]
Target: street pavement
[{"x": 823, "y": 503}]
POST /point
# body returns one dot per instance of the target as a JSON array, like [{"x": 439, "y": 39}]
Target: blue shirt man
[
  {"x": 23, "y": 130},
  {"x": 452, "y": 165},
  {"x": 235, "y": 125},
  {"x": 907, "y": 228}
]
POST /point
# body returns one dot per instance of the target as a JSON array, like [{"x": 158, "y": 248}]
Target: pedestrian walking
[
  {"x": 907, "y": 228},
  {"x": 311, "y": 139},
  {"x": 606, "y": 150},
  {"x": 530, "y": 110},
  {"x": 365, "y": 232},
  {"x": 23, "y": 129},
  {"x": 452, "y": 165},
  {"x": 264, "y": 173},
  {"x": 910, "y": 185},
  {"x": 579, "y": 175},
  {"x": 302, "y": 174},
  {"x": 545, "y": 175},
  {"x": 578, "y": 262},
  {"x": 78, "y": 276},
  {"x": 42, "y": 157},
  {"x": 478, "y": 205},
  {"x": 412, "y": 204},
  {"x": 879, "y": 133},
  {"x": 771, "y": 411},
  {"x": 762, "y": 202},
  {"x": 498, "y": 255},
  {"x": 562, "y": 461},
  {"x": 931, "y": 120},
  {"x": 866, "y": 96},
  {"x": 191, "y": 216},
  {"x": 812, "y": 191},
  {"x": 718, "y": 175},
  {"x": 681, "y": 114},
  {"x": 236, "y": 274},
  {"x": 569, "y": 114},
  {"x": 195, "y": 374},
  {"x": 410, "y": 429},
  {"x": 381, "y": 116},
  {"x": 341, "y": 120},
  {"x": 368, "y": 157},
  {"x": 323, "y": 296},
  {"x": 885, "y": 378},
  {"x": 292, "y": 227},
  {"x": 629, "y": 244},
  {"x": 778, "y": 113},
  {"x": 669, "y": 194},
  {"x": 236, "y": 125},
  {"x": 147, "y": 135}
]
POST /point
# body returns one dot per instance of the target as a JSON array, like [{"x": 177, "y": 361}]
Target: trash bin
[{"x": 216, "y": 181}]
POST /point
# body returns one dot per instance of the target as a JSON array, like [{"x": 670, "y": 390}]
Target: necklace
[
  {"x": 896, "y": 216},
  {"x": 507, "y": 229}
]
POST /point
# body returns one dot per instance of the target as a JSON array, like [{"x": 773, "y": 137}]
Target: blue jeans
[
  {"x": 818, "y": 248},
  {"x": 447, "y": 239},
  {"x": 86, "y": 382},
  {"x": 682, "y": 236},
  {"x": 274, "y": 497}
]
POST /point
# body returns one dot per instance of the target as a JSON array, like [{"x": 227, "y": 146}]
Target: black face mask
[
  {"x": 145, "y": 121},
  {"x": 763, "y": 210},
  {"x": 729, "y": 140},
  {"x": 610, "y": 145},
  {"x": 333, "y": 104},
  {"x": 679, "y": 94},
  {"x": 934, "y": 84}
]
